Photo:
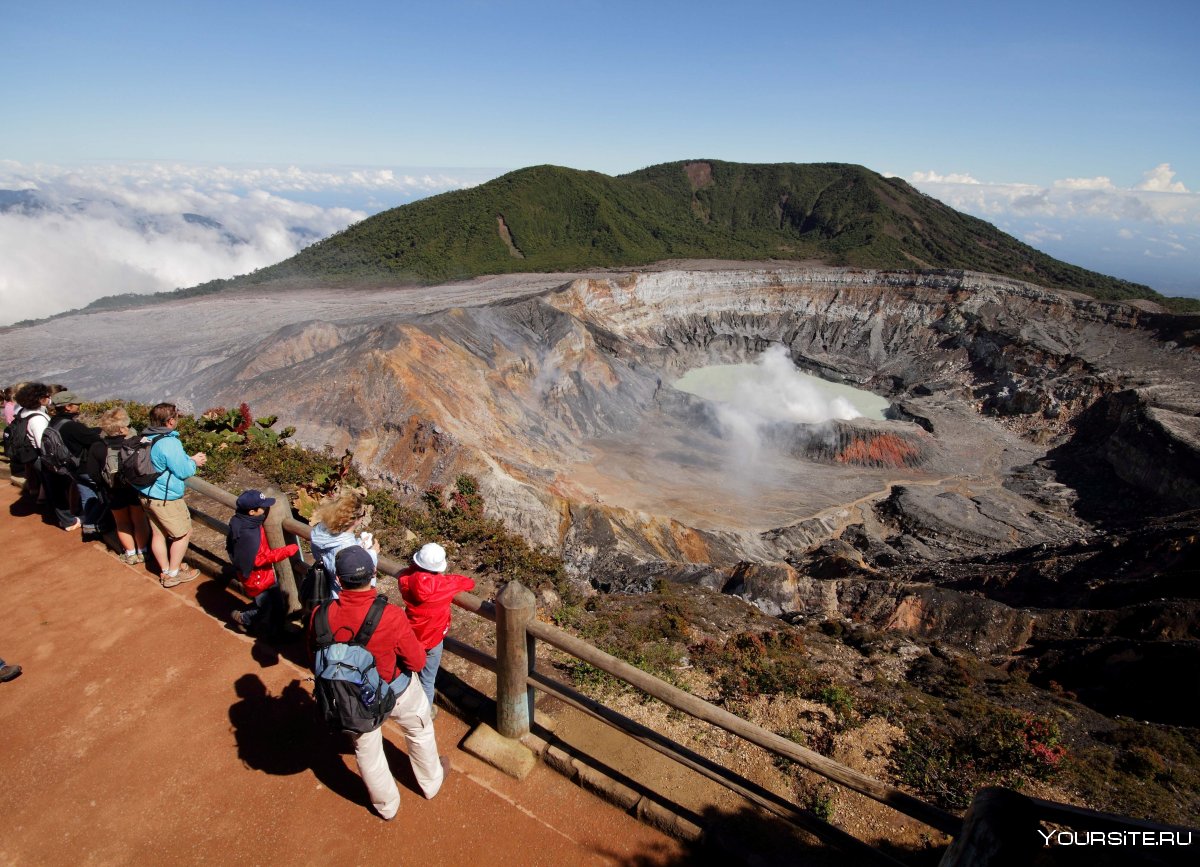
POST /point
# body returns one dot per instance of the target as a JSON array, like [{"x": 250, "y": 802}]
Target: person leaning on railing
[
  {"x": 124, "y": 504},
  {"x": 170, "y": 521}
]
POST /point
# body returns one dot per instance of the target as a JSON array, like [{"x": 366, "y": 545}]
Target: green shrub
[
  {"x": 951, "y": 758},
  {"x": 750, "y": 664}
]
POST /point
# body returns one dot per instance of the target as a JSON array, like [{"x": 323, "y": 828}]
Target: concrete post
[
  {"x": 277, "y": 538},
  {"x": 515, "y": 652}
]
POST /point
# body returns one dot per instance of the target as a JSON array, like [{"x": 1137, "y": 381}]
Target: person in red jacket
[
  {"x": 397, "y": 654},
  {"x": 253, "y": 560},
  {"x": 427, "y": 592}
]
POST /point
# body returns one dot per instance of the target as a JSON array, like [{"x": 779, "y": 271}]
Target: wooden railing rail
[
  {"x": 780, "y": 746},
  {"x": 994, "y": 818}
]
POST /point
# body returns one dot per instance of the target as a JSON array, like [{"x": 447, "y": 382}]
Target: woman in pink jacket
[{"x": 427, "y": 591}]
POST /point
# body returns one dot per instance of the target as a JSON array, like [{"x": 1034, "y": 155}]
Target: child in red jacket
[
  {"x": 253, "y": 557},
  {"x": 427, "y": 592}
]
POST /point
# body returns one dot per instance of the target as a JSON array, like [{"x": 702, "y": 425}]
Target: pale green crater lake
[{"x": 772, "y": 388}]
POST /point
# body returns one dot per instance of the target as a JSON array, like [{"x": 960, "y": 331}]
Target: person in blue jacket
[{"x": 170, "y": 520}]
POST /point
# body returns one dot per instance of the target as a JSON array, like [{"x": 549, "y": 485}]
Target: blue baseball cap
[{"x": 253, "y": 499}]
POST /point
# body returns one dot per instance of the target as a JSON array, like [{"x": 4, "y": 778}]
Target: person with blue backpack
[{"x": 358, "y": 692}]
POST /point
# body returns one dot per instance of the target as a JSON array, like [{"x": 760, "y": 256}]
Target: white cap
[{"x": 431, "y": 558}]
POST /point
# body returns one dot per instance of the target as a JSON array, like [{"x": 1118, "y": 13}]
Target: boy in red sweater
[
  {"x": 253, "y": 559},
  {"x": 427, "y": 592}
]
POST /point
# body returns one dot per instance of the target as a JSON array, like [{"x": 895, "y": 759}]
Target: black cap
[
  {"x": 354, "y": 567},
  {"x": 253, "y": 499}
]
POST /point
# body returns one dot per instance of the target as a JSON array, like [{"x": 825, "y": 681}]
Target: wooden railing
[{"x": 998, "y": 821}]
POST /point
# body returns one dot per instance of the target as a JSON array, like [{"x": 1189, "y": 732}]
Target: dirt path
[{"x": 144, "y": 731}]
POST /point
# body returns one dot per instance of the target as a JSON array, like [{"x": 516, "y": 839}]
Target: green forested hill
[{"x": 549, "y": 218}]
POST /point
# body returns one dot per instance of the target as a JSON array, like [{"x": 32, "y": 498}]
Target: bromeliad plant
[{"x": 226, "y": 427}]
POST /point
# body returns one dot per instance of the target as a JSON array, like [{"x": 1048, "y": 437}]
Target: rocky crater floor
[{"x": 1029, "y": 497}]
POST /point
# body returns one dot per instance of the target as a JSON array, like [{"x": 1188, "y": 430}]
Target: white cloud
[
  {"x": 114, "y": 228},
  {"x": 935, "y": 178},
  {"x": 1158, "y": 199},
  {"x": 1042, "y": 234},
  {"x": 1085, "y": 184},
  {"x": 1159, "y": 179},
  {"x": 1095, "y": 223}
]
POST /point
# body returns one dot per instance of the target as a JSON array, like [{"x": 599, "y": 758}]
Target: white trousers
[{"x": 412, "y": 712}]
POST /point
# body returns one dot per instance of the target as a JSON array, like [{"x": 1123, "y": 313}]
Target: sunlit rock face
[{"x": 564, "y": 403}]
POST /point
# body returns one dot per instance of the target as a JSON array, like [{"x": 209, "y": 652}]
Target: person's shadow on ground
[{"x": 284, "y": 735}]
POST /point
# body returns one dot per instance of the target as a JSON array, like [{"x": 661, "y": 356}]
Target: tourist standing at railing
[
  {"x": 33, "y": 419},
  {"x": 10, "y": 405},
  {"x": 124, "y": 504},
  {"x": 253, "y": 560},
  {"x": 339, "y": 522},
  {"x": 427, "y": 591},
  {"x": 170, "y": 520},
  {"x": 398, "y": 654},
  {"x": 85, "y": 507}
]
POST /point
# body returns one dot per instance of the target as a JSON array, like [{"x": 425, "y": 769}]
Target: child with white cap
[{"x": 427, "y": 591}]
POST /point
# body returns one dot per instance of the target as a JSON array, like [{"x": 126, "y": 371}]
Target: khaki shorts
[{"x": 171, "y": 517}]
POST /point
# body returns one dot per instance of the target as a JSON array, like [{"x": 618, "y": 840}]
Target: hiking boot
[{"x": 8, "y": 672}]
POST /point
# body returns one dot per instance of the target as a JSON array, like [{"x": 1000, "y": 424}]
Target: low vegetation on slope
[{"x": 549, "y": 218}]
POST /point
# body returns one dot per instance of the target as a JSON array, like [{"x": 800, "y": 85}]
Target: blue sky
[{"x": 981, "y": 105}]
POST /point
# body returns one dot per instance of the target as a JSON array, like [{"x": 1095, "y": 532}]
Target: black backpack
[
  {"x": 133, "y": 456},
  {"x": 350, "y": 693},
  {"x": 55, "y": 454},
  {"x": 314, "y": 589},
  {"x": 16, "y": 444}
]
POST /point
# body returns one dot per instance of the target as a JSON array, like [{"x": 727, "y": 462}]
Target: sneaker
[
  {"x": 9, "y": 672},
  {"x": 187, "y": 573},
  {"x": 241, "y": 620},
  {"x": 129, "y": 559},
  {"x": 139, "y": 557},
  {"x": 77, "y": 525},
  {"x": 169, "y": 581}
]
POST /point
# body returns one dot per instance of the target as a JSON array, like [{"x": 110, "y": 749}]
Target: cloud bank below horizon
[
  {"x": 72, "y": 235},
  {"x": 1148, "y": 233}
]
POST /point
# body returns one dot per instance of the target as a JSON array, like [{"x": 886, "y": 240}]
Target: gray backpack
[
  {"x": 351, "y": 695},
  {"x": 133, "y": 456}
]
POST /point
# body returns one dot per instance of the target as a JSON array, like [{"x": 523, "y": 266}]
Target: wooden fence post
[
  {"x": 277, "y": 538},
  {"x": 515, "y": 651},
  {"x": 1000, "y": 828}
]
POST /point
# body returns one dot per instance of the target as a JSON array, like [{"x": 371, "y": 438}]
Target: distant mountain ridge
[{"x": 549, "y": 218}]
